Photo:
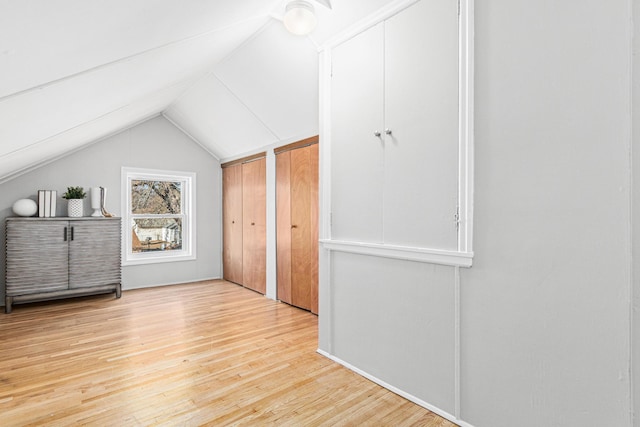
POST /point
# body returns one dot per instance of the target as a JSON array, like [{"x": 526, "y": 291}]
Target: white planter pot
[{"x": 75, "y": 207}]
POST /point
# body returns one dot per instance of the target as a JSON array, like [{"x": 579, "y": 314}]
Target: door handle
[
  {"x": 294, "y": 226},
  {"x": 71, "y": 233},
  {"x": 65, "y": 234}
]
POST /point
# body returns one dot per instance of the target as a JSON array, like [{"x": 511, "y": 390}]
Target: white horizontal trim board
[
  {"x": 434, "y": 256},
  {"x": 434, "y": 409}
]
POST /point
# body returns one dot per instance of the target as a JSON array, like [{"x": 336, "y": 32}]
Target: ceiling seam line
[
  {"x": 221, "y": 61},
  {"x": 246, "y": 106},
  {"x": 122, "y": 60},
  {"x": 188, "y": 134},
  {"x": 94, "y": 119},
  {"x": 55, "y": 158}
]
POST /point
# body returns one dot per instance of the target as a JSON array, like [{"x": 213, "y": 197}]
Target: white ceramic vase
[
  {"x": 25, "y": 207},
  {"x": 75, "y": 207}
]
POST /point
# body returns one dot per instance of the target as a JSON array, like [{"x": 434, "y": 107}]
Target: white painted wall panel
[
  {"x": 342, "y": 15},
  {"x": 635, "y": 325},
  {"x": 395, "y": 320},
  {"x": 545, "y": 325}
]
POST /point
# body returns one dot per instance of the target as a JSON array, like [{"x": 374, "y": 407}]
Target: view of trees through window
[{"x": 156, "y": 208}]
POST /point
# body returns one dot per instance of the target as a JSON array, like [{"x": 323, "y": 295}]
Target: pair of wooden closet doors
[
  {"x": 244, "y": 223},
  {"x": 297, "y": 223}
]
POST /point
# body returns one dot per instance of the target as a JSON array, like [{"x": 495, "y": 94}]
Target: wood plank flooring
[{"x": 207, "y": 353}]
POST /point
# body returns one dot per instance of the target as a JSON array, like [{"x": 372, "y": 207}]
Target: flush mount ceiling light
[{"x": 299, "y": 17}]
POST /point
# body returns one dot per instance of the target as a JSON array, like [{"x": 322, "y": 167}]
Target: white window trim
[
  {"x": 463, "y": 256},
  {"x": 188, "y": 251}
]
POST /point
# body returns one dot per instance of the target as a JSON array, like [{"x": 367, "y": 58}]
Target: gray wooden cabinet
[{"x": 51, "y": 258}]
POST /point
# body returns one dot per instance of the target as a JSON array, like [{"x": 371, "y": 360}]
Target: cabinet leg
[
  {"x": 8, "y": 302},
  {"x": 118, "y": 290}
]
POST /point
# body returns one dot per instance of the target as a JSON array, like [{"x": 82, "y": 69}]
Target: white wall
[
  {"x": 544, "y": 311},
  {"x": 545, "y": 317},
  {"x": 635, "y": 326},
  {"x": 154, "y": 144}
]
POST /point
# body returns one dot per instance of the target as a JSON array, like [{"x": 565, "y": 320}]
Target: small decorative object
[
  {"x": 47, "y": 201},
  {"x": 103, "y": 197},
  {"x": 96, "y": 201},
  {"x": 75, "y": 195},
  {"x": 25, "y": 207}
]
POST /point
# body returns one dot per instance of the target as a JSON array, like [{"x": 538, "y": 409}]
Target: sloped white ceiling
[
  {"x": 44, "y": 40},
  {"x": 226, "y": 72},
  {"x": 265, "y": 92}
]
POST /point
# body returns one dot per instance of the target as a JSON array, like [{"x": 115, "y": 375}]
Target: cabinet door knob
[
  {"x": 377, "y": 133},
  {"x": 294, "y": 226},
  {"x": 253, "y": 223},
  {"x": 387, "y": 131}
]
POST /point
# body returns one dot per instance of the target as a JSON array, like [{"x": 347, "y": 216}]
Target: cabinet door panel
[
  {"x": 254, "y": 228},
  {"x": 421, "y": 110},
  {"x": 232, "y": 223},
  {"x": 94, "y": 253},
  {"x": 37, "y": 257},
  {"x": 301, "y": 243},
  {"x": 356, "y": 154},
  {"x": 283, "y": 225}
]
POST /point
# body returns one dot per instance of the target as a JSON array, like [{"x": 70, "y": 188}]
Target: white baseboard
[
  {"x": 129, "y": 287},
  {"x": 434, "y": 409}
]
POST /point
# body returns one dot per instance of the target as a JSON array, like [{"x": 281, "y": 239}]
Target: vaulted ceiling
[{"x": 226, "y": 72}]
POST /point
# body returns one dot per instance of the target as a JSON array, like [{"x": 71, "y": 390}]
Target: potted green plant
[{"x": 75, "y": 196}]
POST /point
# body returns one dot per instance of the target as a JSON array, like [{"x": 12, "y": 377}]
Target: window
[{"x": 159, "y": 216}]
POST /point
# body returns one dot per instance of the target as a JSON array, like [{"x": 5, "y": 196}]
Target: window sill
[
  {"x": 431, "y": 256},
  {"x": 157, "y": 259}
]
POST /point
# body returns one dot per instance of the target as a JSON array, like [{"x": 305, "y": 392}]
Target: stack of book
[{"x": 47, "y": 203}]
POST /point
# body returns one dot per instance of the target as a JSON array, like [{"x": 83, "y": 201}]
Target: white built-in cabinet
[{"x": 394, "y": 131}]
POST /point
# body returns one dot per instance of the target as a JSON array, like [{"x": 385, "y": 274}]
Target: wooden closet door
[
  {"x": 304, "y": 210},
  {"x": 232, "y": 223},
  {"x": 301, "y": 228},
  {"x": 283, "y": 225},
  {"x": 254, "y": 225},
  {"x": 297, "y": 226}
]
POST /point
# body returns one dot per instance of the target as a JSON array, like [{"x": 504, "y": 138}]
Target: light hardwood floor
[{"x": 208, "y": 353}]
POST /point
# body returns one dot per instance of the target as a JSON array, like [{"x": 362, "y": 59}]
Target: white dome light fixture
[{"x": 299, "y": 17}]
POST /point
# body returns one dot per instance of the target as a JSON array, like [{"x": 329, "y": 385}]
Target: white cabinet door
[
  {"x": 356, "y": 154},
  {"x": 398, "y": 78},
  {"x": 421, "y": 110}
]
